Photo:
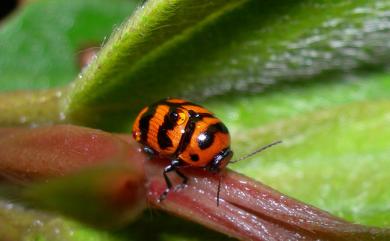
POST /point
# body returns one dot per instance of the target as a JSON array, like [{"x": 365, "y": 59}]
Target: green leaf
[
  {"x": 39, "y": 49},
  {"x": 17, "y": 223},
  {"x": 31, "y": 108},
  {"x": 151, "y": 32},
  {"x": 196, "y": 50},
  {"x": 41, "y": 42},
  {"x": 21, "y": 224}
]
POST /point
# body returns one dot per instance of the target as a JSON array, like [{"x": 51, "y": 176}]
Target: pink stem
[
  {"x": 249, "y": 210},
  {"x": 53, "y": 151}
]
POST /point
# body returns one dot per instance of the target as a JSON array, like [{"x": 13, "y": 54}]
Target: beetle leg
[
  {"x": 173, "y": 167},
  {"x": 184, "y": 182},
  {"x": 179, "y": 163},
  {"x": 167, "y": 169}
]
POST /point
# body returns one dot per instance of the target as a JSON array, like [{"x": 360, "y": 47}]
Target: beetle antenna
[
  {"x": 256, "y": 151},
  {"x": 219, "y": 189}
]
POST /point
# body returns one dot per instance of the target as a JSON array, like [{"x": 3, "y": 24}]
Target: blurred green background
[{"x": 314, "y": 74}]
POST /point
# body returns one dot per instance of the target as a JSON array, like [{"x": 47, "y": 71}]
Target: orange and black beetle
[{"x": 184, "y": 132}]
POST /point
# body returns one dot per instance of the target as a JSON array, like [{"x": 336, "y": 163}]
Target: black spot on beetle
[
  {"x": 205, "y": 140},
  {"x": 194, "y": 157},
  {"x": 218, "y": 127}
]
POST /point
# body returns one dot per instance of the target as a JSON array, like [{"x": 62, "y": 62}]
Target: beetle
[{"x": 187, "y": 134}]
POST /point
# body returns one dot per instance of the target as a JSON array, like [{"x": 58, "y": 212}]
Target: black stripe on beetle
[
  {"x": 206, "y": 115},
  {"x": 145, "y": 121},
  {"x": 188, "y": 132},
  {"x": 169, "y": 123},
  {"x": 186, "y": 137}
]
